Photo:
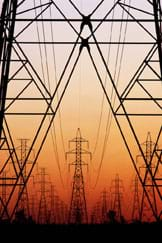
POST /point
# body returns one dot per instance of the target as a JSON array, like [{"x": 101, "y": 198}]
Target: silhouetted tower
[
  {"x": 42, "y": 208},
  {"x": 78, "y": 208},
  {"x": 24, "y": 201},
  {"x": 57, "y": 208},
  {"x": 66, "y": 214},
  {"x": 52, "y": 205},
  {"x": 32, "y": 204},
  {"x": 116, "y": 193},
  {"x": 3, "y": 188},
  {"x": 93, "y": 216},
  {"x": 136, "y": 200},
  {"x": 146, "y": 213},
  {"x": 98, "y": 212},
  {"x": 104, "y": 207},
  {"x": 4, "y": 192},
  {"x": 62, "y": 212}
]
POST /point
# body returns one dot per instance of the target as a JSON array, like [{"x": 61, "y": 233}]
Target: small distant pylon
[
  {"x": 32, "y": 203},
  {"x": 136, "y": 200},
  {"x": 23, "y": 204},
  {"x": 146, "y": 212},
  {"x": 3, "y": 191},
  {"x": 98, "y": 212},
  {"x": 57, "y": 208},
  {"x": 66, "y": 214},
  {"x": 104, "y": 206},
  {"x": 42, "y": 208},
  {"x": 52, "y": 216},
  {"x": 116, "y": 197},
  {"x": 93, "y": 216},
  {"x": 63, "y": 213},
  {"x": 78, "y": 208}
]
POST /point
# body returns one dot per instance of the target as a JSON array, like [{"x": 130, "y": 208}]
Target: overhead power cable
[
  {"x": 113, "y": 97},
  {"x": 52, "y": 131}
]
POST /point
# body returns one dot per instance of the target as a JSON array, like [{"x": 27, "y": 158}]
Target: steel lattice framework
[
  {"x": 78, "y": 206},
  {"x": 16, "y": 67}
]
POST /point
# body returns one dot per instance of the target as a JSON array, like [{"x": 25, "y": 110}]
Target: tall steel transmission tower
[
  {"x": 3, "y": 189},
  {"x": 104, "y": 206},
  {"x": 57, "y": 208},
  {"x": 117, "y": 196},
  {"x": 17, "y": 67},
  {"x": 78, "y": 207},
  {"x": 33, "y": 207},
  {"x": 136, "y": 207},
  {"x": 42, "y": 217},
  {"x": 146, "y": 211},
  {"x": 52, "y": 217},
  {"x": 24, "y": 200}
]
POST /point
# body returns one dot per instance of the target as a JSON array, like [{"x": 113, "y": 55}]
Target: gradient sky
[{"x": 81, "y": 105}]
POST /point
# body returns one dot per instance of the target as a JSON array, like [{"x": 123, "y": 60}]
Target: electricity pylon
[
  {"x": 32, "y": 206},
  {"x": 116, "y": 197},
  {"x": 57, "y": 208},
  {"x": 42, "y": 217},
  {"x": 78, "y": 206},
  {"x": 16, "y": 66},
  {"x": 52, "y": 212},
  {"x": 136, "y": 200},
  {"x": 146, "y": 211},
  {"x": 3, "y": 189},
  {"x": 104, "y": 207},
  {"x": 24, "y": 200}
]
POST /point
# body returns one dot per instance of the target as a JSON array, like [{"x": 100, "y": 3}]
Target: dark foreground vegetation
[{"x": 111, "y": 232}]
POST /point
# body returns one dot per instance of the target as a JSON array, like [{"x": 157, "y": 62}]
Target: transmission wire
[
  {"x": 103, "y": 97},
  {"x": 56, "y": 80},
  {"x": 109, "y": 120},
  {"x": 53, "y": 135},
  {"x": 120, "y": 66}
]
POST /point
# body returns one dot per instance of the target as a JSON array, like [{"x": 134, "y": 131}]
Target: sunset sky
[{"x": 83, "y": 105}]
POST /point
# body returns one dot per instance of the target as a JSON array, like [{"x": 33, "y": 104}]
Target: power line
[
  {"x": 56, "y": 80},
  {"x": 53, "y": 134},
  {"x": 103, "y": 96},
  {"x": 109, "y": 118}
]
